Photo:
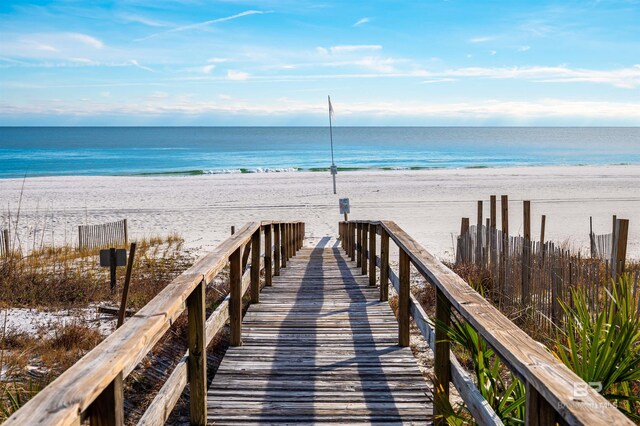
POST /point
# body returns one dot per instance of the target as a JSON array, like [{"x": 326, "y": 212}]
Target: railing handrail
[
  {"x": 528, "y": 359},
  {"x": 66, "y": 400}
]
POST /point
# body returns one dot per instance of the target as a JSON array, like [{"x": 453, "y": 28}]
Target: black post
[{"x": 112, "y": 263}]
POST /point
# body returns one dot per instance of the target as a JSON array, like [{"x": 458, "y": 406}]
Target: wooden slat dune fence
[
  {"x": 4, "y": 242},
  {"x": 92, "y": 389},
  {"x": 113, "y": 234},
  {"x": 537, "y": 276}
]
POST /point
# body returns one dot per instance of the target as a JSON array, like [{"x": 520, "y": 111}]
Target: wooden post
[
  {"x": 464, "y": 226},
  {"x": 479, "y": 235},
  {"x": 614, "y": 247},
  {"x": 359, "y": 245},
  {"x": 126, "y": 232},
  {"x": 112, "y": 275},
  {"x": 125, "y": 289},
  {"x": 235, "y": 300},
  {"x": 403, "y": 299},
  {"x": 463, "y": 240},
  {"x": 283, "y": 244},
  {"x": 5, "y": 234},
  {"x": 542, "y": 225},
  {"x": 525, "y": 292},
  {"x": 442, "y": 361},
  {"x": 365, "y": 228},
  {"x": 108, "y": 407},
  {"x": 372, "y": 254},
  {"x": 290, "y": 249},
  {"x": 493, "y": 241},
  {"x": 233, "y": 229},
  {"x": 276, "y": 249},
  {"x": 538, "y": 411},
  {"x": 197, "y": 364},
  {"x": 268, "y": 266},
  {"x": 352, "y": 232},
  {"x": 493, "y": 213},
  {"x": 504, "y": 204},
  {"x": 80, "y": 240},
  {"x": 622, "y": 231},
  {"x": 384, "y": 266},
  {"x": 255, "y": 267}
]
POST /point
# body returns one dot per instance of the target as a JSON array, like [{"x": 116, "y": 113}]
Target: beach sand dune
[{"x": 428, "y": 204}]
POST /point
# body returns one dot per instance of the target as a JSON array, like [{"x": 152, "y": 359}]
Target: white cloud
[
  {"x": 481, "y": 39},
  {"x": 237, "y": 75},
  {"x": 516, "y": 111},
  {"x": 204, "y": 24},
  {"x": 492, "y": 52},
  {"x": 353, "y": 48},
  {"x": 137, "y": 65},
  {"x": 217, "y": 60},
  {"x": 622, "y": 77},
  {"x": 86, "y": 39},
  {"x": 361, "y": 22},
  {"x": 523, "y": 48},
  {"x": 128, "y": 17},
  {"x": 208, "y": 68}
]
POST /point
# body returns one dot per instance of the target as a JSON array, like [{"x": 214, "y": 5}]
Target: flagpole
[{"x": 334, "y": 171}]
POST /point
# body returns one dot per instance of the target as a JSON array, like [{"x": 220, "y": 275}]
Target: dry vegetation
[{"x": 62, "y": 278}]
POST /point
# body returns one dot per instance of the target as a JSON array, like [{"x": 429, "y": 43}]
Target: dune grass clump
[
  {"x": 64, "y": 277},
  {"x": 61, "y": 278}
]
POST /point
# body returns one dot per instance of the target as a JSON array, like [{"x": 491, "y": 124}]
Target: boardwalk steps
[{"x": 319, "y": 347}]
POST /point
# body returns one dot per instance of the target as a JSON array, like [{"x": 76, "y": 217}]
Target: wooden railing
[
  {"x": 550, "y": 386},
  {"x": 93, "y": 387}
]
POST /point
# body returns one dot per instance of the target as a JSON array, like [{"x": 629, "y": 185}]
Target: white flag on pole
[{"x": 331, "y": 113}]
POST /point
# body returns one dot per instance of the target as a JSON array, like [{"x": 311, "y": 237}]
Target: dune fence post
[
  {"x": 525, "y": 294},
  {"x": 197, "y": 365},
  {"x": 5, "y": 235},
  {"x": 622, "y": 231},
  {"x": 479, "y": 235}
]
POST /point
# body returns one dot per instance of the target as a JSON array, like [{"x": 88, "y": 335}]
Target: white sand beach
[{"x": 428, "y": 204}]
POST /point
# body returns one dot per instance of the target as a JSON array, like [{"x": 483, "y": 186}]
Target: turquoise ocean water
[{"x": 61, "y": 151}]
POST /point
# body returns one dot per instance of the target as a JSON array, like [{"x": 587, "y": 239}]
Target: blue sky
[{"x": 273, "y": 62}]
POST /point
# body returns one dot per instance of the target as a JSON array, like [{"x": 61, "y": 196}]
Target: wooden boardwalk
[{"x": 319, "y": 347}]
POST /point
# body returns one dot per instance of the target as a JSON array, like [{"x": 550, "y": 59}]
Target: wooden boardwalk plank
[{"x": 319, "y": 348}]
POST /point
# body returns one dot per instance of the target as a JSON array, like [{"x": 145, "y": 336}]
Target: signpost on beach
[
  {"x": 344, "y": 208},
  {"x": 112, "y": 258},
  {"x": 334, "y": 169}
]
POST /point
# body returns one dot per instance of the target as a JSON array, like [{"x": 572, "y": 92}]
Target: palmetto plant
[
  {"x": 503, "y": 391},
  {"x": 604, "y": 347}
]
